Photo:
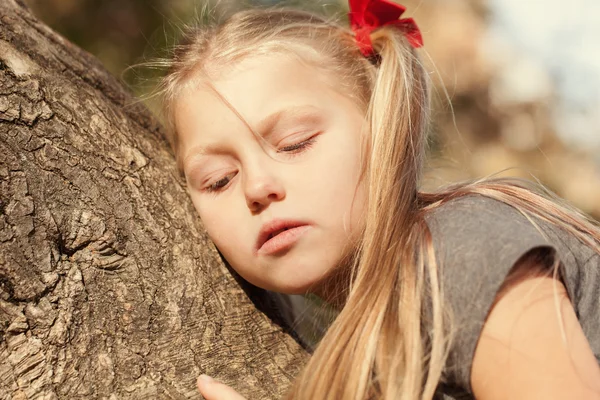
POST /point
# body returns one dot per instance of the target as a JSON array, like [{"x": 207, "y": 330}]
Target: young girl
[{"x": 302, "y": 144}]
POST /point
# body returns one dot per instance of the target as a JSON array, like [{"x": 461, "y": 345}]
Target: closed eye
[
  {"x": 220, "y": 184},
  {"x": 298, "y": 147}
]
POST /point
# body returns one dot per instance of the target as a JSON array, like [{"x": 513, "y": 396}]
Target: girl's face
[{"x": 287, "y": 214}]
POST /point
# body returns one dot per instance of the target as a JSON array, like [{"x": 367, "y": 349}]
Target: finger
[{"x": 214, "y": 390}]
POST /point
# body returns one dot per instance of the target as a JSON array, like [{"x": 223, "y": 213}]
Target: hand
[{"x": 214, "y": 390}]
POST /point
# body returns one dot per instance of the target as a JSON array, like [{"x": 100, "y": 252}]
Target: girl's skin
[{"x": 310, "y": 174}]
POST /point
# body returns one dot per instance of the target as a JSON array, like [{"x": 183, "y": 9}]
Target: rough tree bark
[{"x": 109, "y": 287}]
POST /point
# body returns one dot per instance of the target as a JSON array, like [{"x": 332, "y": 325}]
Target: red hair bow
[{"x": 368, "y": 15}]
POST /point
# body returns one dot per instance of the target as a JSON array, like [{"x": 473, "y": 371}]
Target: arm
[{"x": 522, "y": 353}]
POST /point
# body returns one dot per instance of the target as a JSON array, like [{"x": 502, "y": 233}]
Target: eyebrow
[{"x": 264, "y": 128}]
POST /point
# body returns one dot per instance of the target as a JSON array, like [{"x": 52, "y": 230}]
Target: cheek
[
  {"x": 358, "y": 207},
  {"x": 350, "y": 192},
  {"x": 343, "y": 173},
  {"x": 222, "y": 229}
]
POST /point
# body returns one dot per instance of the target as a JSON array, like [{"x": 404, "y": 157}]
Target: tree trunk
[{"x": 109, "y": 286}]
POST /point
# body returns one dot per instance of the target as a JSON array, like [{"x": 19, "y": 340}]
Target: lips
[{"x": 278, "y": 235}]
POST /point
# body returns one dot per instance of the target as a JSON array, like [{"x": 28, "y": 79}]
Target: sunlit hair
[{"x": 384, "y": 344}]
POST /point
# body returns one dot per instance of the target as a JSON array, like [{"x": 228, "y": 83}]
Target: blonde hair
[{"x": 380, "y": 345}]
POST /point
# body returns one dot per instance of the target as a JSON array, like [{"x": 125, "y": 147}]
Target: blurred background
[{"x": 516, "y": 83}]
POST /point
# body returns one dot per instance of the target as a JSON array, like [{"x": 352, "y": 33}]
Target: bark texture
[{"x": 109, "y": 286}]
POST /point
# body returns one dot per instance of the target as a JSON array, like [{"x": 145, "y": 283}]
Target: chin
[
  {"x": 291, "y": 276},
  {"x": 302, "y": 279},
  {"x": 304, "y": 286}
]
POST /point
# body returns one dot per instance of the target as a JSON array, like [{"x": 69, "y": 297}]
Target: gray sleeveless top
[{"x": 478, "y": 240}]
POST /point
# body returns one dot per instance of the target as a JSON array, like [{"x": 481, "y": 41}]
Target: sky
[{"x": 561, "y": 41}]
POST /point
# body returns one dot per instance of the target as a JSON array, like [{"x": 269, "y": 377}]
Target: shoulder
[
  {"x": 477, "y": 240},
  {"x": 480, "y": 232},
  {"x": 475, "y": 212}
]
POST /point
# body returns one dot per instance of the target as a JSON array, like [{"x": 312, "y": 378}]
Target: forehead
[
  {"x": 247, "y": 92},
  {"x": 252, "y": 85}
]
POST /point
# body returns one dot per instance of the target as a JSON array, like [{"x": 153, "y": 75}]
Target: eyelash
[
  {"x": 220, "y": 184},
  {"x": 298, "y": 147}
]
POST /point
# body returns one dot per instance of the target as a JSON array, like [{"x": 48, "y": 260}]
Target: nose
[{"x": 261, "y": 188}]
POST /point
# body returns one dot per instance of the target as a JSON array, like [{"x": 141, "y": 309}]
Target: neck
[{"x": 335, "y": 287}]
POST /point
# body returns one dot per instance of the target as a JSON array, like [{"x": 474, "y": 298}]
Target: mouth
[{"x": 279, "y": 235}]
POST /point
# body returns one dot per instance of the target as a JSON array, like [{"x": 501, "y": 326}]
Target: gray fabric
[{"x": 477, "y": 241}]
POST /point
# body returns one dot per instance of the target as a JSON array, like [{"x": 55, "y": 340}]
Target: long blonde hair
[{"x": 379, "y": 346}]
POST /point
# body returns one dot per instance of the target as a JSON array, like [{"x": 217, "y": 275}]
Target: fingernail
[{"x": 205, "y": 378}]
